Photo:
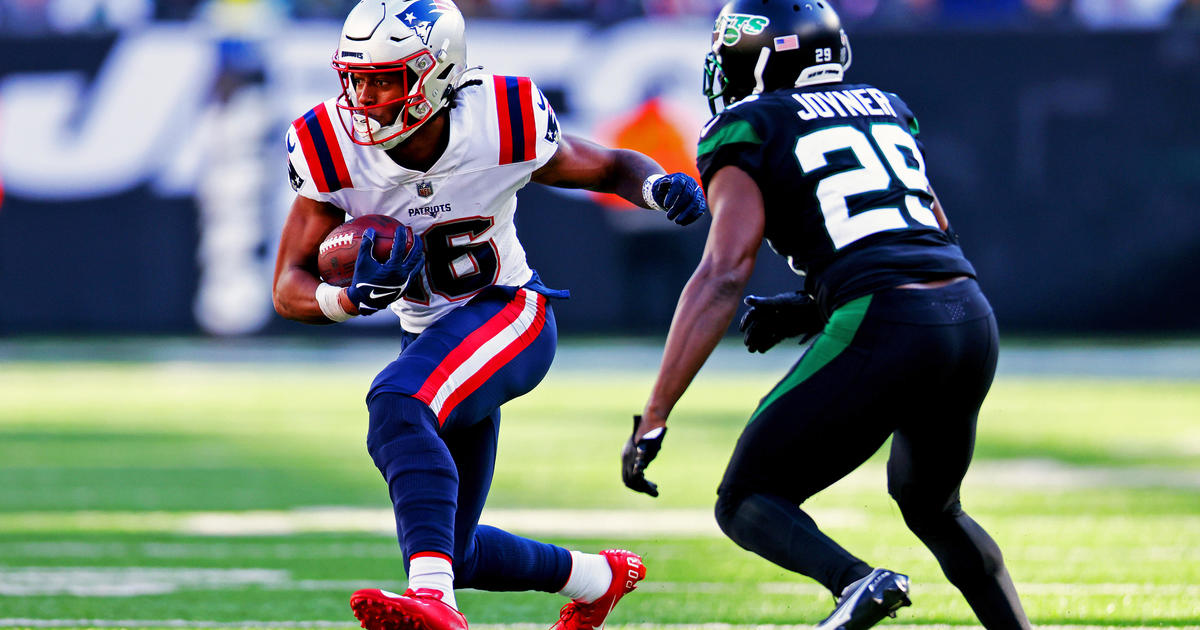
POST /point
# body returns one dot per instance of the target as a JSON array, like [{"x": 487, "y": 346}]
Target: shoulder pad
[{"x": 318, "y": 142}]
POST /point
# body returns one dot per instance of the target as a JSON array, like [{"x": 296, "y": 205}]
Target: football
[{"x": 339, "y": 251}]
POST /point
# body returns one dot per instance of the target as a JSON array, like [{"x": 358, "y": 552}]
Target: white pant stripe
[{"x": 487, "y": 351}]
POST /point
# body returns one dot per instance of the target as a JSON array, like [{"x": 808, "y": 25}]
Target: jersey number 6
[
  {"x": 886, "y": 141},
  {"x": 456, "y": 266}
]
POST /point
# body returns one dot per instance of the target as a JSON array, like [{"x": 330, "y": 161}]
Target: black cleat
[{"x": 876, "y": 596}]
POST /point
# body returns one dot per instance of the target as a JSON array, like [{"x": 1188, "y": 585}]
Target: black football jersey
[{"x": 842, "y": 175}]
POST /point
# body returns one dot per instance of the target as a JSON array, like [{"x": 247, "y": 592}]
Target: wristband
[
  {"x": 648, "y": 192},
  {"x": 327, "y": 299}
]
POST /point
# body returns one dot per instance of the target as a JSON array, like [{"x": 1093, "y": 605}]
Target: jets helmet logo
[{"x": 732, "y": 26}]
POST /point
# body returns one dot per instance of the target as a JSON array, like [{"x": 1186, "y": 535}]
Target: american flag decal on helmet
[{"x": 787, "y": 42}]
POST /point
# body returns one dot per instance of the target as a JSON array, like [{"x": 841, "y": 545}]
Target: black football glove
[
  {"x": 774, "y": 318},
  {"x": 680, "y": 196},
  {"x": 375, "y": 284},
  {"x": 637, "y": 455}
]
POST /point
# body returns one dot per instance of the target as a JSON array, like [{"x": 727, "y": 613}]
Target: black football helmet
[{"x": 764, "y": 45}]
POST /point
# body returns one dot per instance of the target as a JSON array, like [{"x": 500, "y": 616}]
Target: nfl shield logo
[{"x": 425, "y": 189}]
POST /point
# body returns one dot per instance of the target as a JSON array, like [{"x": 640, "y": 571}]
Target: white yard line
[
  {"x": 183, "y": 623},
  {"x": 83, "y": 581},
  {"x": 547, "y": 522}
]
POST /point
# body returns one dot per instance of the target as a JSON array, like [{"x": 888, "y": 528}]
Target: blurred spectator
[
  {"x": 320, "y": 9},
  {"x": 557, "y": 9},
  {"x": 704, "y": 8},
  {"x": 893, "y": 14},
  {"x": 74, "y": 16},
  {"x": 33, "y": 17},
  {"x": 1123, "y": 13},
  {"x": 175, "y": 10},
  {"x": 478, "y": 8},
  {"x": 24, "y": 17},
  {"x": 983, "y": 13},
  {"x": 1049, "y": 14},
  {"x": 1186, "y": 13},
  {"x": 855, "y": 10},
  {"x": 243, "y": 19}
]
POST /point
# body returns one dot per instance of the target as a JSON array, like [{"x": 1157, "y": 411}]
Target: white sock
[
  {"x": 435, "y": 573},
  {"x": 590, "y": 577}
]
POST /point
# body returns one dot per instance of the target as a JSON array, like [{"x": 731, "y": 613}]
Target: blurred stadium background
[
  {"x": 147, "y": 134},
  {"x": 170, "y": 448}
]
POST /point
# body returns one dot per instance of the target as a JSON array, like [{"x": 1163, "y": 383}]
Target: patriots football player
[
  {"x": 832, "y": 175},
  {"x": 419, "y": 135}
]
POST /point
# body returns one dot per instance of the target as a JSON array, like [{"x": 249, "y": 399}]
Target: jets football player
[
  {"x": 419, "y": 135},
  {"x": 832, "y": 175}
]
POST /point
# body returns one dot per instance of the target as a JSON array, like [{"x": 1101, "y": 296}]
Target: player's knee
[
  {"x": 726, "y": 511},
  {"x": 395, "y": 416},
  {"x": 924, "y": 517}
]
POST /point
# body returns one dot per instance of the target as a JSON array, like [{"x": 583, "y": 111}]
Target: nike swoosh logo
[
  {"x": 291, "y": 145},
  {"x": 380, "y": 294}
]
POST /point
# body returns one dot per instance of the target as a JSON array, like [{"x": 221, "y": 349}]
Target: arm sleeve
[
  {"x": 545, "y": 126},
  {"x": 728, "y": 140}
]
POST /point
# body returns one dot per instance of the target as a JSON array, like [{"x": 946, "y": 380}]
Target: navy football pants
[
  {"x": 911, "y": 364},
  {"x": 434, "y": 425}
]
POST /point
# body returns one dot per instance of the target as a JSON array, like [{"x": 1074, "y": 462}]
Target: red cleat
[
  {"x": 422, "y": 609},
  {"x": 627, "y": 570}
]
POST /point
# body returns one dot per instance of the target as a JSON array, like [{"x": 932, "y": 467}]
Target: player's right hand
[
  {"x": 376, "y": 284},
  {"x": 774, "y": 318},
  {"x": 637, "y": 455},
  {"x": 680, "y": 196}
]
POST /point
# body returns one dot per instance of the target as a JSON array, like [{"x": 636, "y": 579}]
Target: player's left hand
[
  {"x": 773, "y": 318},
  {"x": 680, "y": 196},
  {"x": 377, "y": 284},
  {"x": 637, "y": 455}
]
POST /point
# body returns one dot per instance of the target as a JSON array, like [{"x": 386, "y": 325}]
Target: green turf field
[{"x": 239, "y": 494}]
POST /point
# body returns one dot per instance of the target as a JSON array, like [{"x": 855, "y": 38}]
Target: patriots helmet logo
[
  {"x": 421, "y": 15},
  {"x": 425, "y": 189}
]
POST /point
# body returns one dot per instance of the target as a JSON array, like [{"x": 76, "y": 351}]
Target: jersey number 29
[{"x": 885, "y": 141}]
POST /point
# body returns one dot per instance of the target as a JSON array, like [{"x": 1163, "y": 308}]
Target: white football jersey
[{"x": 463, "y": 207}]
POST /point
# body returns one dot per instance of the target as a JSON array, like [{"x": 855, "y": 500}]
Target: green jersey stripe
[
  {"x": 838, "y": 334},
  {"x": 736, "y": 131}
]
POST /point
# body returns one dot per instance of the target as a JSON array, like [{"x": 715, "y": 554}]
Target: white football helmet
[{"x": 422, "y": 39}]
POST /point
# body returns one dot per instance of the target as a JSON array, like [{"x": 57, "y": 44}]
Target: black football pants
[{"x": 914, "y": 364}]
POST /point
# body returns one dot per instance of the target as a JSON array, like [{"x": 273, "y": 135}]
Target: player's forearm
[
  {"x": 295, "y": 298},
  {"x": 629, "y": 173},
  {"x": 706, "y": 306}
]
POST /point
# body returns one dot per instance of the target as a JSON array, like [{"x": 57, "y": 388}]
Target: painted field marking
[
  {"x": 183, "y": 623},
  {"x": 548, "y": 522},
  {"x": 136, "y": 581}
]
